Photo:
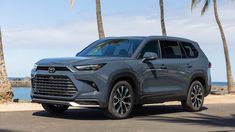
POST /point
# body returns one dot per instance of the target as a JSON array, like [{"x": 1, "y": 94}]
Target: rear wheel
[
  {"x": 195, "y": 98},
  {"x": 121, "y": 101},
  {"x": 55, "y": 108}
]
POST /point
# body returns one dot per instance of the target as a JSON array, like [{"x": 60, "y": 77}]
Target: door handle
[
  {"x": 163, "y": 67},
  {"x": 189, "y": 66}
]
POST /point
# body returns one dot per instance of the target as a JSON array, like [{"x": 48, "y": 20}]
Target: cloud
[
  {"x": 50, "y": 37},
  {"x": 82, "y": 32}
]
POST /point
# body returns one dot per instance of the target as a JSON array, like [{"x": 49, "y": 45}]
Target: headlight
[
  {"x": 92, "y": 67},
  {"x": 35, "y": 66}
]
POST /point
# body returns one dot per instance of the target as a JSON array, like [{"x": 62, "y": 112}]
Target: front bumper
[{"x": 85, "y": 94}]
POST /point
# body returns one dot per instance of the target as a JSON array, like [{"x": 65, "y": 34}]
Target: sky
[{"x": 33, "y": 30}]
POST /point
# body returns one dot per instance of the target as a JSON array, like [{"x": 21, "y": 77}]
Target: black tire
[
  {"x": 55, "y": 108},
  {"x": 121, "y": 101},
  {"x": 138, "y": 106},
  {"x": 195, "y": 97}
]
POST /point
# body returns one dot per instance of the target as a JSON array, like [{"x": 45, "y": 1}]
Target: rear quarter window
[
  {"x": 190, "y": 50},
  {"x": 170, "y": 49}
]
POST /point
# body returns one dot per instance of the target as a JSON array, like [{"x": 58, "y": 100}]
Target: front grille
[
  {"x": 45, "y": 68},
  {"x": 58, "y": 86}
]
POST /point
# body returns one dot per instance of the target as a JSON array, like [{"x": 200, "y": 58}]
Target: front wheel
[
  {"x": 55, "y": 108},
  {"x": 121, "y": 101},
  {"x": 195, "y": 97}
]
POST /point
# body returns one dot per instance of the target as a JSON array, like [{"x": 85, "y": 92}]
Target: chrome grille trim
[{"x": 57, "y": 68}]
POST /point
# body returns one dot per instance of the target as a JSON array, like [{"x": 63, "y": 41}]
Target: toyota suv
[{"x": 119, "y": 74}]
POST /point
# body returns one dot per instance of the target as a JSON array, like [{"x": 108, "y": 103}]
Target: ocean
[{"x": 23, "y": 93}]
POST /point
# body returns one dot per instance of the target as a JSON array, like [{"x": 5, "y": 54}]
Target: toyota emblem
[{"x": 51, "y": 70}]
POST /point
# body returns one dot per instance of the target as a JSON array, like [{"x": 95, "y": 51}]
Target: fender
[
  {"x": 121, "y": 74},
  {"x": 198, "y": 74}
]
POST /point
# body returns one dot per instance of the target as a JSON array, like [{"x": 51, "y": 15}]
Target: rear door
[
  {"x": 173, "y": 57},
  {"x": 191, "y": 58}
]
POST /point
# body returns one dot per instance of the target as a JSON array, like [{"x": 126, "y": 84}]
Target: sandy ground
[{"x": 211, "y": 99}]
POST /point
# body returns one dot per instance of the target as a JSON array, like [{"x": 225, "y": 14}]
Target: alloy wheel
[
  {"x": 197, "y": 96},
  {"x": 122, "y": 100}
]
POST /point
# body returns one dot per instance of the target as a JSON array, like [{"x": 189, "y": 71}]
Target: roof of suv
[{"x": 153, "y": 37}]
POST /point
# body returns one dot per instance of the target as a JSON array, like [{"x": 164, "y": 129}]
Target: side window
[
  {"x": 151, "y": 46},
  {"x": 170, "y": 49},
  {"x": 190, "y": 50}
]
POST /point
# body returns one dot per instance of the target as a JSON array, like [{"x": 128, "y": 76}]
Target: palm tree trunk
[
  {"x": 162, "y": 18},
  {"x": 6, "y": 93},
  {"x": 99, "y": 20},
  {"x": 228, "y": 66}
]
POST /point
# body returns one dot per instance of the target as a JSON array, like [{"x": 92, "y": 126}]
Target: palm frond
[
  {"x": 205, "y": 7},
  {"x": 194, "y": 4}
]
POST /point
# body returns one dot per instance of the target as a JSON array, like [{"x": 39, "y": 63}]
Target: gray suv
[{"x": 119, "y": 74}]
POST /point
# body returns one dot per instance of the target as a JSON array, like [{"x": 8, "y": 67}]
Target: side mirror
[{"x": 148, "y": 56}]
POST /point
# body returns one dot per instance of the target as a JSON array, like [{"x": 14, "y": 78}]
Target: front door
[{"x": 154, "y": 73}]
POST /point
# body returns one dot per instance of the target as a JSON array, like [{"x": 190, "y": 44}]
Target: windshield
[{"x": 112, "y": 48}]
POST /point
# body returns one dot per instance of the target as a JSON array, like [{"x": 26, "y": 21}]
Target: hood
[
  {"x": 78, "y": 60},
  {"x": 60, "y": 61}
]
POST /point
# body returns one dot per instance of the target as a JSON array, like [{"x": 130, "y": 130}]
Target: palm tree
[
  {"x": 163, "y": 27},
  {"x": 6, "y": 93},
  {"x": 228, "y": 65},
  {"x": 98, "y": 17}
]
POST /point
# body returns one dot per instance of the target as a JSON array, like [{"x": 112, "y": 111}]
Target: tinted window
[
  {"x": 151, "y": 46},
  {"x": 170, "y": 49},
  {"x": 190, "y": 50},
  {"x": 112, "y": 48}
]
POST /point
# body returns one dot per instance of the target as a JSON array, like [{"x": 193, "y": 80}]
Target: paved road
[{"x": 148, "y": 119}]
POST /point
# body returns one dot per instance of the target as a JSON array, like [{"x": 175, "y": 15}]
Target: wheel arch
[
  {"x": 128, "y": 76},
  {"x": 199, "y": 77}
]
